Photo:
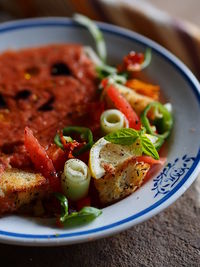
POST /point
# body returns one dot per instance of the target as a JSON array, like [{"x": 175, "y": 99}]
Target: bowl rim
[{"x": 164, "y": 202}]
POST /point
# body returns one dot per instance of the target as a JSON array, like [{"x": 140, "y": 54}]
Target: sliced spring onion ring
[
  {"x": 68, "y": 138},
  {"x": 92, "y": 55},
  {"x": 96, "y": 33},
  {"x": 113, "y": 120},
  {"x": 101, "y": 68},
  {"x": 75, "y": 179},
  {"x": 147, "y": 58},
  {"x": 115, "y": 78},
  {"x": 57, "y": 141},
  {"x": 106, "y": 69}
]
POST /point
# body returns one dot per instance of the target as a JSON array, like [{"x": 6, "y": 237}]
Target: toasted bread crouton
[
  {"x": 18, "y": 188},
  {"x": 128, "y": 176},
  {"x": 136, "y": 100}
]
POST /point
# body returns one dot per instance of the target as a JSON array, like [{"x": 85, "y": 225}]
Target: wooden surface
[
  {"x": 171, "y": 238},
  {"x": 184, "y": 9}
]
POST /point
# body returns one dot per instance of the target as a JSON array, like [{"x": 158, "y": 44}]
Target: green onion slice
[
  {"x": 147, "y": 58},
  {"x": 163, "y": 121},
  {"x": 96, "y": 33}
]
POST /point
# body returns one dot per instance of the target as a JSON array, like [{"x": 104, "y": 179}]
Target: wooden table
[
  {"x": 171, "y": 238},
  {"x": 184, "y": 9}
]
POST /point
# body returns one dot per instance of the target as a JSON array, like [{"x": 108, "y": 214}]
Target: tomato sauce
[{"x": 44, "y": 88}]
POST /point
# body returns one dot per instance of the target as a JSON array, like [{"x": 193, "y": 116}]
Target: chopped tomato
[
  {"x": 58, "y": 157},
  {"x": 132, "y": 62},
  {"x": 151, "y": 161},
  {"x": 155, "y": 168},
  {"x": 123, "y": 105},
  {"x": 84, "y": 202},
  {"x": 104, "y": 82},
  {"x": 40, "y": 159},
  {"x": 70, "y": 146}
]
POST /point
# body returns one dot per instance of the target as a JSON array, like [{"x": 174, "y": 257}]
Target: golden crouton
[
  {"x": 137, "y": 101},
  {"x": 126, "y": 178},
  {"x": 18, "y": 188}
]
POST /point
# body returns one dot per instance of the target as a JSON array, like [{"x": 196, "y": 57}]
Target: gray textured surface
[{"x": 171, "y": 238}]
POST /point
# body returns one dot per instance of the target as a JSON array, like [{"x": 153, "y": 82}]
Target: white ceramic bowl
[{"x": 179, "y": 86}]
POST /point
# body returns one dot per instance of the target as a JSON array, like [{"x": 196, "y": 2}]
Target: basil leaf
[
  {"x": 148, "y": 148},
  {"x": 64, "y": 204},
  {"x": 85, "y": 215},
  {"x": 136, "y": 148},
  {"x": 128, "y": 136},
  {"x": 125, "y": 136}
]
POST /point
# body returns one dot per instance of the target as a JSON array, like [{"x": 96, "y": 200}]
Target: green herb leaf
[
  {"x": 148, "y": 148},
  {"x": 147, "y": 58},
  {"x": 57, "y": 141},
  {"x": 125, "y": 136},
  {"x": 128, "y": 136},
  {"x": 85, "y": 215},
  {"x": 64, "y": 204}
]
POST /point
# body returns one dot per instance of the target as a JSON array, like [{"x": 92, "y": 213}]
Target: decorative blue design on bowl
[{"x": 171, "y": 174}]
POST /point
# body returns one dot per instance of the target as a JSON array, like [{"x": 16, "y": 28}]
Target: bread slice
[
  {"x": 136, "y": 100},
  {"x": 127, "y": 177},
  {"x": 18, "y": 188}
]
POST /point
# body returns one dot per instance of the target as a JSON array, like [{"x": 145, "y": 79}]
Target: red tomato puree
[{"x": 45, "y": 89}]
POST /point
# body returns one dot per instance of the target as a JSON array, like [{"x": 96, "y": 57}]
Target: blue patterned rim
[{"x": 188, "y": 76}]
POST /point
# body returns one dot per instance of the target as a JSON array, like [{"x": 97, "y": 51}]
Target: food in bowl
[{"x": 76, "y": 130}]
